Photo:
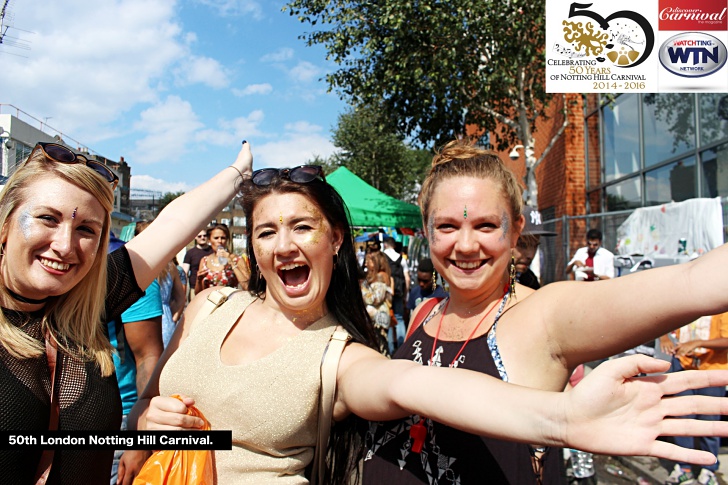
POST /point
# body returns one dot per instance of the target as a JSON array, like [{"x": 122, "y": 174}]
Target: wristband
[{"x": 237, "y": 170}]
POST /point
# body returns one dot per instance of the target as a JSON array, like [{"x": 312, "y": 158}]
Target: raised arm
[
  {"x": 176, "y": 225},
  {"x": 609, "y": 412},
  {"x": 588, "y": 321}
]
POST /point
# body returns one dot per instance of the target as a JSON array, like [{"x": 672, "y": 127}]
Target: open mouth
[
  {"x": 468, "y": 265},
  {"x": 294, "y": 275},
  {"x": 55, "y": 265}
]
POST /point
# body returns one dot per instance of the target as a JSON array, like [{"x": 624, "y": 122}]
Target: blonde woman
[{"x": 58, "y": 288}]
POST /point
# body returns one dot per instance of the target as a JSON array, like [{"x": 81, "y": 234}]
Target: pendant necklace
[{"x": 418, "y": 433}]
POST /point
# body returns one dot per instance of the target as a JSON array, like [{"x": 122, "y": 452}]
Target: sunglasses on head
[
  {"x": 301, "y": 175},
  {"x": 61, "y": 154}
]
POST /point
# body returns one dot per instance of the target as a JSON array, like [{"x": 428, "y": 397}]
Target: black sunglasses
[
  {"x": 61, "y": 154},
  {"x": 301, "y": 175}
]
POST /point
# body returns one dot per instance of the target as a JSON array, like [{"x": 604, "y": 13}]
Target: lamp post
[{"x": 530, "y": 195}]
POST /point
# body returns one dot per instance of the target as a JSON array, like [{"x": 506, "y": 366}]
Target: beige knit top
[{"x": 271, "y": 405}]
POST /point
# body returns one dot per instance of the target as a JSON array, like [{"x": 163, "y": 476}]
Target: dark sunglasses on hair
[
  {"x": 61, "y": 154},
  {"x": 301, "y": 175}
]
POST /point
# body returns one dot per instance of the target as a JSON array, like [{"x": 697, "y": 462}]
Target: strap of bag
[
  {"x": 421, "y": 315},
  {"x": 46, "y": 458},
  {"x": 329, "y": 368},
  {"x": 213, "y": 302}
]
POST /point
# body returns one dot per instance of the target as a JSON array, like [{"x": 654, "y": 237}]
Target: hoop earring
[
  {"x": 434, "y": 280},
  {"x": 512, "y": 278}
]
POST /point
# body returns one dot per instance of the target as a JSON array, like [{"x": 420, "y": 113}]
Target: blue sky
[{"x": 172, "y": 86}]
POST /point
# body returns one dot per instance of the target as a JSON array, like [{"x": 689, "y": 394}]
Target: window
[
  {"x": 620, "y": 137},
  {"x": 669, "y": 126},
  {"x": 673, "y": 182},
  {"x": 713, "y": 117},
  {"x": 624, "y": 195},
  {"x": 714, "y": 178}
]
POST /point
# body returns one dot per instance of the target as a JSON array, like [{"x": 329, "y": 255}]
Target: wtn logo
[{"x": 692, "y": 54}]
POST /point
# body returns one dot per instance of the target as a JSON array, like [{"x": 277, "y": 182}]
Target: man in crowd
[
  {"x": 593, "y": 262},
  {"x": 527, "y": 247},
  {"x": 191, "y": 263},
  {"x": 426, "y": 287},
  {"x": 400, "y": 275}
]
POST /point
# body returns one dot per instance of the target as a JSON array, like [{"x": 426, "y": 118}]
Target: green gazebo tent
[{"x": 369, "y": 207}]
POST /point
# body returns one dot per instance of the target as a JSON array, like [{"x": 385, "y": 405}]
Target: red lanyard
[
  {"x": 418, "y": 433},
  {"x": 439, "y": 325}
]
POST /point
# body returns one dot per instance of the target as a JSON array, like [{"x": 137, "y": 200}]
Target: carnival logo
[
  {"x": 692, "y": 54},
  {"x": 688, "y": 15},
  {"x": 625, "y": 38}
]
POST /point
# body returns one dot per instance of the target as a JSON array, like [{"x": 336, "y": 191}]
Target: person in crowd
[
  {"x": 171, "y": 292},
  {"x": 700, "y": 345},
  {"x": 427, "y": 286},
  {"x": 472, "y": 213},
  {"x": 527, "y": 247},
  {"x": 376, "y": 288},
  {"x": 401, "y": 281},
  {"x": 182, "y": 275},
  {"x": 193, "y": 256},
  {"x": 360, "y": 255},
  {"x": 592, "y": 262},
  {"x": 58, "y": 289},
  {"x": 222, "y": 266},
  {"x": 253, "y": 366}
]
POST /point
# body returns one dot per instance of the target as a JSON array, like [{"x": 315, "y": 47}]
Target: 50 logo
[{"x": 625, "y": 37}]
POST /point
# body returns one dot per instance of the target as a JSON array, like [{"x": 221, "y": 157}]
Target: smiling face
[
  {"x": 48, "y": 251},
  {"x": 295, "y": 256},
  {"x": 472, "y": 254}
]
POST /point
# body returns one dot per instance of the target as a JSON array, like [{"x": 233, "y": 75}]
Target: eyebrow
[
  {"x": 56, "y": 212},
  {"x": 295, "y": 220}
]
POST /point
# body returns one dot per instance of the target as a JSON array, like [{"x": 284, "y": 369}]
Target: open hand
[{"x": 612, "y": 412}]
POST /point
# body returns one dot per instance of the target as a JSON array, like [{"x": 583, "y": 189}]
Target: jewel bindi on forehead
[{"x": 73, "y": 216}]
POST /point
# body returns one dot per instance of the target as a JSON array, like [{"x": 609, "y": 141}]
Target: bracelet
[{"x": 237, "y": 170}]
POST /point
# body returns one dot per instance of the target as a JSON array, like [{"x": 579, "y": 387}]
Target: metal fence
[{"x": 556, "y": 251}]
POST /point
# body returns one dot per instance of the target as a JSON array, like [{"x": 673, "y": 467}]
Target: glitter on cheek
[
  {"x": 25, "y": 221},
  {"x": 505, "y": 225},
  {"x": 431, "y": 228}
]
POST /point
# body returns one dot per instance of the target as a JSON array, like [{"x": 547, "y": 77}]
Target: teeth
[
  {"x": 467, "y": 264},
  {"x": 55, "y": 265},
  {"x": 290, "y": 266},
  {"x": 297, "y": 287}
]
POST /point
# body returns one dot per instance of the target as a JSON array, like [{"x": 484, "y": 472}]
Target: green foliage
[
  {"x": 370, "y": 147},
  {"x": 166, "y": 199},
  {"x": 436, "y": 65}
]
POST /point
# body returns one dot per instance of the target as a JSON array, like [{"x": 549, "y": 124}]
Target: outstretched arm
[
  {"x": 176, "y": 225},
  {"x": 608, "y": 412}
]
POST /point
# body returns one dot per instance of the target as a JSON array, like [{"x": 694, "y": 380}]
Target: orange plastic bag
[{"x": 179, "y": 467}]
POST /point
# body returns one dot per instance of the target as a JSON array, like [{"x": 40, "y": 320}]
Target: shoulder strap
[
  {"x": 213, "y": 302},
  {"x": 425, "y": 310},
  {"x": 46, "y": 458},
  {"x": 329, "y": 368}
]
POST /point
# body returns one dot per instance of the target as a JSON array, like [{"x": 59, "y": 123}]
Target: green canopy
[{"x": 370, "y": 207}]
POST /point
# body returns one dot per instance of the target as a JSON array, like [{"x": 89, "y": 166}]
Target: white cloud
[
  {"x": 251, "y": 89},
  {"x": 226, "y": 8},
  {"x": 281, "y": 55},
  {"x": 299, "y": 145},
  {"x": 147, "y": 182},
  {"x": 168, "y": 126},
  {"x": 305, "y": 72},
  {"x": 203, "y": 70},
  {"x": 231, "y": 132}
]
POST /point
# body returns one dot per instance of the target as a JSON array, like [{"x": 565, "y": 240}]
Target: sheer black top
[{"x": 88, "y": 401}]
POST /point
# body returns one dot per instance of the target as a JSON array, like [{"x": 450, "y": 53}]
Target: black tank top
[{"x": 449, "y": 456}]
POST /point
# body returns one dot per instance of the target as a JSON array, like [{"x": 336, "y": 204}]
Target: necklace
[
  {"x": 23, "y": 299},
  {"x": 417, "y": 431}
]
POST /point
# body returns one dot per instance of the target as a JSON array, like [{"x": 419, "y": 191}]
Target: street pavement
[{"x": 651, "y": 470}]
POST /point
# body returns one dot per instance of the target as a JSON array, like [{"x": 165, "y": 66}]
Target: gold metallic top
[{"x": 271, "y": 404}]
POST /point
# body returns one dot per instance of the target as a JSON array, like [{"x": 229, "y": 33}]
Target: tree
[
  {"x": 370, "y": 146},
  {"x": 167, "y": 198},
  {"x": 440, "y": 66}
]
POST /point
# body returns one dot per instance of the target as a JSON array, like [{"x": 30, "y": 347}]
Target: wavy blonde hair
[
  {"x": 460, "y": 158},
  {"x": 75, "y": 316}
]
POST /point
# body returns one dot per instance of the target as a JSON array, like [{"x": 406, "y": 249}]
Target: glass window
[
  {"x": 621, "y": 137},
  {"x": 713, "y": 116},
  {"x": 673, "y": 182},
  {"x": 714, "y": 181},
  {"x": 669, "y": 125},
  {"x": 624, "y": 195}
]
